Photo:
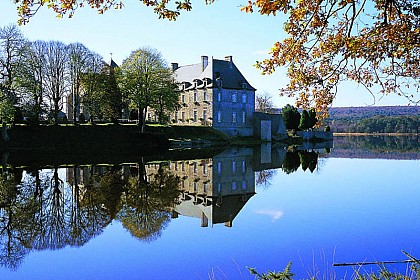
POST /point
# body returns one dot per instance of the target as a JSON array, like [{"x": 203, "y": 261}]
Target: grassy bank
[{"x": 108, "y": 136}]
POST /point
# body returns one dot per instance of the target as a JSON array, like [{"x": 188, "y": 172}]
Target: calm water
[{"x": 204, "y": 218}]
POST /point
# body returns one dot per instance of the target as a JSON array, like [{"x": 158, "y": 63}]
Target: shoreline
[{"x": 373, "y": 134}]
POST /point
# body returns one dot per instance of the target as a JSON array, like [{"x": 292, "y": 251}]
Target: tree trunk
[
  {"x": 4, "y": 135},
  {"x": 143, "y": 119}
]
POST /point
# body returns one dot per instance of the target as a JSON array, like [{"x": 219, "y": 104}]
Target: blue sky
[{"x": 215, "y": 30}]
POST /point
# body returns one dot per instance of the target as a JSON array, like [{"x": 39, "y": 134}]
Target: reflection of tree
[
  {"x": 53, "y": 217},
  {"x": 264, "y": 177},
  {"x": 15, "y": 230},
  {"x": 96, "y": 208},
  {"x": 293, "y": 160},
  {"x": 308, "y": 160},
  {"x": 148, "y": 205},
  {"x": 39, "y": 212},
  {"x": 42, "y": 212}
]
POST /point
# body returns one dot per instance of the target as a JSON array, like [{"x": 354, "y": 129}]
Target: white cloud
[{"x": 274, "y": 214}]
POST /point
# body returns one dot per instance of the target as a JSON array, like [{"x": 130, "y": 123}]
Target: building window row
[
  {"x": 184, "y": 99},
  {"x": 234, "y": 97},
  {"x": 233, "y": 186},
  {"x": 234, "y": 166},
  {"x": 184, "y": 119},
  {"x": 234, "y": 117}
]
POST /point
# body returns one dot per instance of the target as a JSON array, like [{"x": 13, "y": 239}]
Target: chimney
[
  {"x": 204, "y": 220},
  {"x": 204, "y": 62},
  {"x": 228, "y": 58},
  {"x": 174, "y": 66}
]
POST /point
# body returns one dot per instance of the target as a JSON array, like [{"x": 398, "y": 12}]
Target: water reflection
[
  {"x": 51, "y": 208},
  {"x": 265, "y": 193},
  {"x": 378, "y": 146}
]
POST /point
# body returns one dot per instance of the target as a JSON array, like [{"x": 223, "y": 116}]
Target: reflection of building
[{"x": 216, "y": 189}]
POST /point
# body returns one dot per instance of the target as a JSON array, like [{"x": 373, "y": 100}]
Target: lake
[{"x": 210, "y": 217}]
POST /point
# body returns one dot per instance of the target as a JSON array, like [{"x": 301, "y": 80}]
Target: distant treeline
[{"x": 389, "y": 119}]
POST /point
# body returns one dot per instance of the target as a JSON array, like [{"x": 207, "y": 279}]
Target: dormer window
[{"x": 244, "y": 85}]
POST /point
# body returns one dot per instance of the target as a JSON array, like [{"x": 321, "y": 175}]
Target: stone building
[{"x": 214, "y": 93}]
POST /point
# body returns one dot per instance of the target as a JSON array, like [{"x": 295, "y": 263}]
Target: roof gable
[{"x": 216, "y": 69}]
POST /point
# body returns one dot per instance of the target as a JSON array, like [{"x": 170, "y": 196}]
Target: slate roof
[
  {"x": 113, "y": 65},
  {"x": 227, "y": 71},
  {"x": 218, "y": 212}
]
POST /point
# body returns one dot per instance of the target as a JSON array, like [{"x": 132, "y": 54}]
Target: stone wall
[
  {"x": 278, "y": 129},
  {"x": 308, "y": 135}
]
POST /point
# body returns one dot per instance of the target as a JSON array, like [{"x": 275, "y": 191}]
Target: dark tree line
[
  {"x": 379, "y": 124},
  {"x": 38, "y": 78},
  {"x": 44, "y": 80}
]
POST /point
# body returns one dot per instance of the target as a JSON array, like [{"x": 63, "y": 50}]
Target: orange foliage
[{"x": 375, "y": 43}]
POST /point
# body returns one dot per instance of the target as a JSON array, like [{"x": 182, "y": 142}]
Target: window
[
  {"x": 195, "y": 115},
  {"x": 244, "y": 98},
  {"x": 233, "y": 186},
  {"x": 205, "y": 115},
  {"x": 183, "y": 116},
  {"x": 204, "y": 168},
  {"x": 243, "y": 116},
  {"x": 243, "y": 185},
  {"x": 204, "y": 187},
  {"x": 234, "y": 97},
  {"x": 219, "y": 96},
  {"x": 195, "y": 167},
  {"x": 233, "y": 166},
  {"x": 243, "y": 166},
  {"x": 219, "y": 187},
  {"x": 234, "y": 117},
  {"x": 183, "y": 166},
  {"x": 176, "y": 117},
  {"x": 205, "y": 95},
  {"x": 183, "y": 98},
  {"x": 195, "y": 96},
  {"x": 219, "y": 167},
  {"x": 195, "y": 186},
  {"x": 219, "y": 116}
]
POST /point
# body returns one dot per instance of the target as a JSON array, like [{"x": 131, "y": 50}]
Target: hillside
[
  {"x": 358, "y": 113},
  {"x": 375, "y": 119}
]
